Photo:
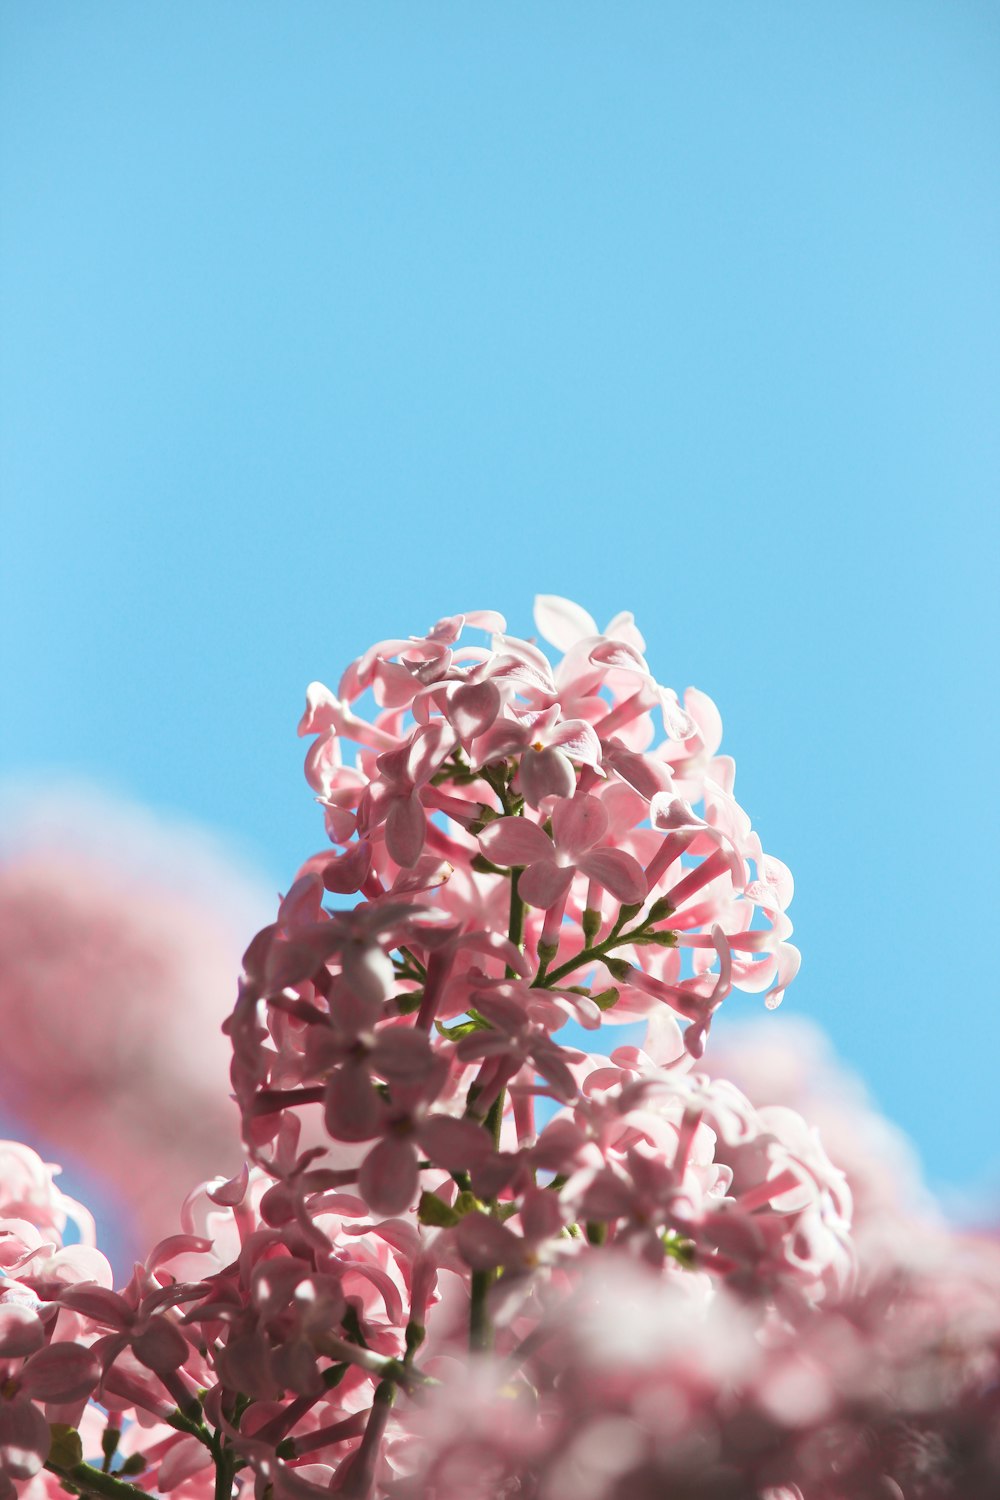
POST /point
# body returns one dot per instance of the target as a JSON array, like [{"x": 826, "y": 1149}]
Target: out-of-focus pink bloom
[
  {"x": 118, "y": 941},
  {"x": 788, "y": 1061}
]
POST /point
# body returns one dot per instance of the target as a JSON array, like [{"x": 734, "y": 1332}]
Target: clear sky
[{"x": 321, "y": 320}]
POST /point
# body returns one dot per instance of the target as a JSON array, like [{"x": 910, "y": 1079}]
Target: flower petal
[
  {"x": 561, "y": 622},
  {"x": 353, "y": 1110},
  {"x": 546, "y": 773},
  {"x": 485, "y": 1243},
  {"x": 577, "y": 824},
  {"x": 21, "y": 1331},
  {"x": 515, "y": 841},
  {"x": 473, "y": 707},
  {"x": 61, "y": 1372},
  {"x": 617, "y": 872},
  {"x": 544, "y": 883},
  {"x": 405, "y": 830},
  {"x": 454, "y": 1144},
  {"x": 24, "y": 1439},
  {"x": 389, "y": 1176}
]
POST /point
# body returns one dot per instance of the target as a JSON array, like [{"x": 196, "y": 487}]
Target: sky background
[{"x": 323, "y": 320}]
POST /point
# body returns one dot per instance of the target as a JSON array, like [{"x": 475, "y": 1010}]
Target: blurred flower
[{"x": 120, "y": 937}]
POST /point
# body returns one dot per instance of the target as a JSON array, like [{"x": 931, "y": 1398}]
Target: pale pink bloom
[
  {"x": 118, "y": 941},
  {"x": 579, "y": 825},
  {"x": 788, "y": 1061}
]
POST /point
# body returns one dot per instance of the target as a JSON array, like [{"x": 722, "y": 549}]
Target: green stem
[
  {"x": 413, "y": 961},
  {"x": 494, "y": 1120},
  {"x": 194, "y": 1429},
  {"x": 585, "y": 956},
  {"x": 498, "y": 785},
  {"x": 225, "y": 1471},
  {"x": 95, "y": 1482},
  {"x": 515, "y": 926},
  {"x": 480, "y": 1328}
]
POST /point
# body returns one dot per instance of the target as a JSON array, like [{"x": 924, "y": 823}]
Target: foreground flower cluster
[{"x": 471, "y": 1254}]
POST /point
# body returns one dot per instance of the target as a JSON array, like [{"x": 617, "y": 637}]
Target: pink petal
[
  {"x": 577, "y": 738},
  {"x": 392, "y": 685},
  {"x": 232, "y": 1193},
  {"x": 505, "y": 738},
  {"x": 700, "y": 707},
  {"x": 186, "y": 1458},
  {"x": 428, "y": 748},
  {"x": 353, "y": 1110},
  {"x": 618, "y": 654},
  {"x": 515, "y": 841},
  {"x": 605, "y": 1197},
  {"x": 402, "y": 1054},
  {"x": 347, "y": 872},
  {"x": 322, "y": 762},
  {"x": 544, "y": 883},
  {"x": 320, "y": 711},
  {"x": 497, "y": 946},
  {"x": 649, "y": 777},
  {"x": 550, "y": 1066},
  {"x": 24, "y": 1439},
  {"x": 389, "y": 1176},
  {"x": 485, "y": 1243},
  {"x": 454, "y": 1144},
  {"x": 61, "y": 1372},
  {"x": 173, "y": 1245},
  {"x": 623, "y": 628},
  {"x": 428, "y": 872},
  {"x": 340, "y": 823},
  {"x": 102, "y": 1305},
  {"x": 473, "y": 707},
  {"x": 546, "y": 773},
  {"x": 405, "y": 830},
  {"x": 294, "y": 1366},
  {"x": 561, "y": 622},
  {"x": 577, "y": 824},
  {"x": 617, "y": 872},
  {"x": 789, "y": 959},
  {"x": 21, "y": 1331},
  {"x": 541, "y": 1216},
  {"x": 245, "y": 1365},
  {"x": 486, "y": 619},
  {"x": 162, "y": 1347}
]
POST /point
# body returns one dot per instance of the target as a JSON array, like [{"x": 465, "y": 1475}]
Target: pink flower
[
  {"x": 119, "y": 938},
  {"x": 578, "y": 825}
]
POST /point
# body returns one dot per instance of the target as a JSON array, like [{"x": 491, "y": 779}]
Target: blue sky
[{"x": 323, "y": 320}]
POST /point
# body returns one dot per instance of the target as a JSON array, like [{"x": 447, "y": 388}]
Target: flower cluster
[{"x": 472, "y": 1254}]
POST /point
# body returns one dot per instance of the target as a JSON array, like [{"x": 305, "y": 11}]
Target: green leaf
[
  {"x": 456, "y": 1032},
  {"x": 435, "y": 1213},
  {"x": 468, "y": 1203}
]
